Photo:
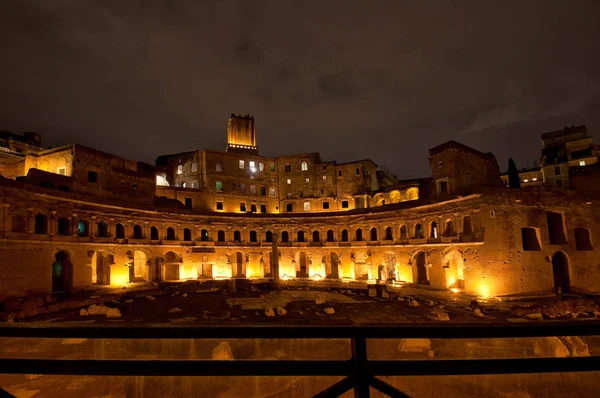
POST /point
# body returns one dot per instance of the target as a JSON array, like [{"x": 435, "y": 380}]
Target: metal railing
[{"x": 360, "y": 372}]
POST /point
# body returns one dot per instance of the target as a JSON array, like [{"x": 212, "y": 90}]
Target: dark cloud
[{"x": 387, "y": 80}]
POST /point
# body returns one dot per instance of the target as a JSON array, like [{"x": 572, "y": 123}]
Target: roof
[
  {"x": 564, "y": 132},
  {"x": 530, "y": 170},
  {"x": 457, "y": 145},
  {"x": 163, "y": 160},
  {"x": 358, "y": 161}
]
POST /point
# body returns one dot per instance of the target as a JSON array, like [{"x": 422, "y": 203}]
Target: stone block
[
  {"x": 329, "y": 310},
  {"x": 576, "y": 346},
  {"x": 550, "y": 347},
  {"x": 281, "y": 311},
  {"x": 413, "y": 303},
  {"x": 269, "y": 311},
  {"x": 414, "y": 345},
  {"x": 113, "y": 313},
  {"x": 222, "y": 352}
]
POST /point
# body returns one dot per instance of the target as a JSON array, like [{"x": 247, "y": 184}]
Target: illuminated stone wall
[{"x": 475, "y": 243}]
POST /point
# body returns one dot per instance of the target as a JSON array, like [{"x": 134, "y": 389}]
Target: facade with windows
[{"x": 106, "y": 222}]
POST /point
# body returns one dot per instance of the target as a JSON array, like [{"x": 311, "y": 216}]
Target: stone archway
[
  {"x": 332, "y": 269},
  {"x": 101, "y": 262},
  {"x": 361, "y": 268},
  {"x": 420, "y": 274},
  {"x": 560, "y": 271},
  {"x": 454, "y": 267},
  {"x": 62, "y": 273},
  {"x": 171, "y": 267},
  {"x": 139, "y": 271},
  {"x": 239, "y": 265},
  {"x": 301, "y": 265}
]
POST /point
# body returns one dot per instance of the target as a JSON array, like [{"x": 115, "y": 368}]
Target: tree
[{"x": 514, "y": 181}]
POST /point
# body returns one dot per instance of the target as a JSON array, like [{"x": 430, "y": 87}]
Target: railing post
[{"x": 361, "y": 375}]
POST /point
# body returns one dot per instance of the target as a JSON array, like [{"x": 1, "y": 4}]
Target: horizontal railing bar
[
  {"x": 167, "y": 331},
  {"x": 296, "y": 368}
]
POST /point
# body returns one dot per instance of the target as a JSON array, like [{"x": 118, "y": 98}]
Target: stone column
[
  {"x": 52, "y": 223},
  {"x": 74, "y": 225},
  {"x": 275, "y": 261},
  {"x": 30, "y": 220}
]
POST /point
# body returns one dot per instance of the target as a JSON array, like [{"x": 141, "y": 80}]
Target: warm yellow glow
[
  {"x": 316, "y": 277},
  {"x": 455, "y": 290},
  {"x": 284, "y": 277},
  {"x": 484, "y": 290},
  {"x": 119, "y": 280}
]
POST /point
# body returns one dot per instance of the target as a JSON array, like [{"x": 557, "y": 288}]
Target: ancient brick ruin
[{"x": 74, "y": 217}]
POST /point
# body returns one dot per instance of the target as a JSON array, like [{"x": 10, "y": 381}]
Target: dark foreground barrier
[{"x": 360, "y": 372}]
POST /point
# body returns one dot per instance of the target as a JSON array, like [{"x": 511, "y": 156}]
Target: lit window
[
  {"x": 241, "y": 164},
  {"x": 307, "y": 180},
  {"x": 252, "y": 177},
  {"x": 180, "y": 169},
  {"x": 219, "y": 166},
  {"x": 272, "y": 192},
  {"x": 324, "y": 179},
  {"x": 289, "y": 181},
  {"x": 194, "y": 167},
  {"x": 304, "y": 166},
  {"x": 272, "y": 166},
  {"x": 534, "y": 179},
  {"x": 219, "y": 186},
  {"x": 184, "y": 185},
  {"x": 582, "y": 162},
  {"x": 261, "y": 166},
  {"x": 306, "y": 206},
  {"x": 62, "y": 170},
  {"x": 252, "y": 189},
  {"x": 526, "y": 180},
  {"x": 289, "y": 195},
  {"x": 252, "y": 166}
]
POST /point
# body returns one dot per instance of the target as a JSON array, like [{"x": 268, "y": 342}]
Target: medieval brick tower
[{"x": 241, "y": 135}]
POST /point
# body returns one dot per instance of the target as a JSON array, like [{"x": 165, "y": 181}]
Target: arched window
[
  {"x": 187, "y": 234},
  {"x": 180, "y": 169},
  {"x": 373, "y": 234},
  {"x": 316, "y": 237},
  {"x": 403, "y": 232},
  {"x": 253, "y": 237},
  {"x": 64, "y": 226},
  {"x": 154, "y": 233},
  {"x": 419, "y": 231},
  {"x": 194, "y": 167},
  {"x": 330, "y": 236},
  {"x": 304, "y": 166},
  {"x": 359, "y": 236},
  {"x": 449, "y": 228},
  {"x": 285, "y": 237},
  {"x": 102, "y": 231},
  {"x": 83, "y": 228},
  {"x": 344, "y": 235},
  {"x": 221, "y": 236},
  {"x": 269, "y": 236},
  {"x": 467, "y": 227},
  {"x": 434, "y": 231},
  {"x": 120, "y": 231},
  {"x": 237, "y": 236},
  {"x": 137, "y": 232},
  {"x": 204, "y": 235},
  {"x": 300, "y": 236},
  {"x": 170, "y": 233},
  {"x": 388, "y": 234},
  {"x": 412, "y": 194},
  {"x": 41, "y": 224}
]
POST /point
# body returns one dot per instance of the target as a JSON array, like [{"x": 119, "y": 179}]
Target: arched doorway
[
  {"x": 560, "y": 270},
  {"x": 62, "y": 273},
  {"x": 267, "y": 261},
  {"x": 361, "y": 268},
  {"x": 454, "y": 266},
  {"x": 301, "y": 265},
  {"x": 390, "y": 261},
  {"x": 332, "y": 262},
  {"x": 239, "y": 266},
  {"x": 171, "y": 267},
  {"x": 421, "y": 269},
  {"x": 103, "y": 262},
  {"x": 139, "y": 271}
]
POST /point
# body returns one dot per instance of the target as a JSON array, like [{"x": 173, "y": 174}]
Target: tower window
[
  {"x": 289, "y": 181},
  {"x": 307, "y": 180},
  {"x": 252, "y": 166},
  {"x": 304, "y": 166},
  {"x": 219, "y": 166},
  {"x": 219, "y": 186},
  {"x": 288, "y": 167},
  {"x": 324, "y": 179},
  {"x": 180, "y": 169},
  {"x": 261, "y": 166},
  {"x": 194, "y": 167},
  {"x": 241, "y": 164}
]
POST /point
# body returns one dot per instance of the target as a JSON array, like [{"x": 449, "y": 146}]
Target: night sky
[{"x": 385, "y": 80}]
